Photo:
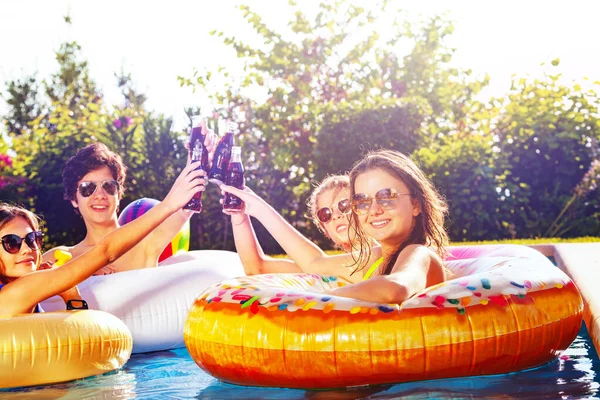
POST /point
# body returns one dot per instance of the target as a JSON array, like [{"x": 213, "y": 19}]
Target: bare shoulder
[{"x": 417, "y": 255}]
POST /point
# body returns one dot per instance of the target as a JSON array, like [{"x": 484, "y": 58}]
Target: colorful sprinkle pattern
[{"x": 477, "y": 281}]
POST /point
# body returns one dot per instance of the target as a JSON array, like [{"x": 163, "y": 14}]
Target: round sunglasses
[
  {"x": 325, "y": 214},
  {"x": 385, "y": 198},
  {"x": 86, "y": 189},
  {"x": 12, "y": 243}
]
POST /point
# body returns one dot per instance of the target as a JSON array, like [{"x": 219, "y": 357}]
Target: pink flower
[
  {"x": 5, "y": 161},
  {"x": 127, "y": 120},
  {"x": 117, "y": 123}
]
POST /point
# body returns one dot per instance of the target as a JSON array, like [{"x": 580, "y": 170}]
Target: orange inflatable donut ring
[{"x": 507, "y": 310}]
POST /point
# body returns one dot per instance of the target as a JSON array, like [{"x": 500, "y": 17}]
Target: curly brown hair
[
  {"x": 90, "y": 158},
  {"x": 429, "y": 225}
]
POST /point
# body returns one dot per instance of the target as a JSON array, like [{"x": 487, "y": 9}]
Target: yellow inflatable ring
[
  {"x": 43, "y": 348},
  {"x": 507, "y": 309}
]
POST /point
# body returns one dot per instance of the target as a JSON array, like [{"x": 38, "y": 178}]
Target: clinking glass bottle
[
  {"x": 198, "y": 152},
  {"x": 234, "y": 177},
  {"x": 222, "y": 157}
]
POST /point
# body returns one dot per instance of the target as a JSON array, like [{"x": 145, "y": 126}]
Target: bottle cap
[
  {"x": 230, "y": 126},
  {"x": 196, "y": 120}
]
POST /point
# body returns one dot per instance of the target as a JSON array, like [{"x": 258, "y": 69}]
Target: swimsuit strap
[{"x": 372, "y": 269}]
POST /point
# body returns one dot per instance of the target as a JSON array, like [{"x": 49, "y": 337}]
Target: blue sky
[{"x": 156, "y": 42}]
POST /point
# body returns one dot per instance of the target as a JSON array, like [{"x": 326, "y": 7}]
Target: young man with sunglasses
[{"x": 93, "y": 180}]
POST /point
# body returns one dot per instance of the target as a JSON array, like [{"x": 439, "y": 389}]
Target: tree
[
  {"x": 335, "y": 69},
  {"x": 544, "y": 133}
]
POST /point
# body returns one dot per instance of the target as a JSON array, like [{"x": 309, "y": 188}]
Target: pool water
[{"x": 174, "y": 375}]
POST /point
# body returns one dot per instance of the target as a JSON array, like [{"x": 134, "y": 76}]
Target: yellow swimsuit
[{"x": 372, "y": 269}]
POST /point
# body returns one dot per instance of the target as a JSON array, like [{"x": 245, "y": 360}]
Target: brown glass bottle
[
  {"x": 198, "y": 152},
  {"x": 221, "y": 158},
  {"x": 234, "y": 177}
]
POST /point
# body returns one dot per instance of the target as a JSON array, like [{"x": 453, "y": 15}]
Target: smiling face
[
  {"x": 390, "y": 225},
  {"x": 101, "y": 207},
  {"x": 13, "y": 266},
  {"x": 337, "y": 228}
]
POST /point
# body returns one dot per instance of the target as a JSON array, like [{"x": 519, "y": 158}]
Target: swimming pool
[{"x": 174, "y": 375}]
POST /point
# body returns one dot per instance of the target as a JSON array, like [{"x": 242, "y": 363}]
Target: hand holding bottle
[
  {"x": 210, "y": 142},
  {"x": 253, "y": 204},
  {"x": 190, "y": 181}
]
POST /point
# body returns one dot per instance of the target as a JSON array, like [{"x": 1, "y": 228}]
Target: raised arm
[
  {"x": 307, "y": 255},
  {"x": 165, "y": 232},
  {"x": 251, "y": 253},
  {"x": 25, "y": 292}
]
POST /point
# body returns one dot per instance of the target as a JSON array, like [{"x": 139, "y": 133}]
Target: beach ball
[{"x": 181, "y": 241}]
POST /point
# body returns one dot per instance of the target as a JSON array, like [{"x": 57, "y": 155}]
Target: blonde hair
[
  {"x": 332, "y": 182},
  {"x": 428, "y": 229},
  {"x": 9, "y": 212}
]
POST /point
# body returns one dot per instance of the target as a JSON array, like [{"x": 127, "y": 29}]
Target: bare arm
[
  {"x": 165, "y": 232},
  {"x": 416, "y": 268},
  {"x": 251, "y": 253},
  {"x": 307, "y": 255},
  {"x": 22, "y": 294}
]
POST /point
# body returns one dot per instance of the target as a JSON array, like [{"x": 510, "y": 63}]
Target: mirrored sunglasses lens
[
  {"x": 344, "y": 206},
  {"x": 386, "y": 193},
  {"x": 86, "y": 189},
  {"x": 110, "y": 187},
  {"x": 361, "y": 203},
  {"x": 324, "y": 215}
]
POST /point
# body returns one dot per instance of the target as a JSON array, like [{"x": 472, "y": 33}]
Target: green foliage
[
  {"x": 461, "y": 167},
  {"x": 75, "y": 116},
  {"x": 546, "y": 139}
]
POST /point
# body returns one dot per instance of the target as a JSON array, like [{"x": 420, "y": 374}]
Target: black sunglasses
[
  {"x": 385, "y": 198},
  {"x": 12, "y": 243},
  {"x": 86, "y": 189},
  {"x": 325, "y": 214}
]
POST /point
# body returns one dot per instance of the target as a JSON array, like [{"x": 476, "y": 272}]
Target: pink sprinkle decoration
[
  {"x": 527, "y": 284},
  {"x": 237, "y": 291},
  {"x": 279, "y": 294},
  {"x": 216, "y": 299},
  {"x": 564, "y": 357},
  {"x": 422, "y": 295},
  {"x": 439, "y": 300},
  {"x": 477, "y": 294},
  {"x": 222, "y": 292},
  {"x": 463, "y": 283},
  {"x": 275, "y": 299}
]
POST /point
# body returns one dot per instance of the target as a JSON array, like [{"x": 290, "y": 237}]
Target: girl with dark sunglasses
[
  {"x": 23, "y": 284},
  {"x": 392, "y": 203}
]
